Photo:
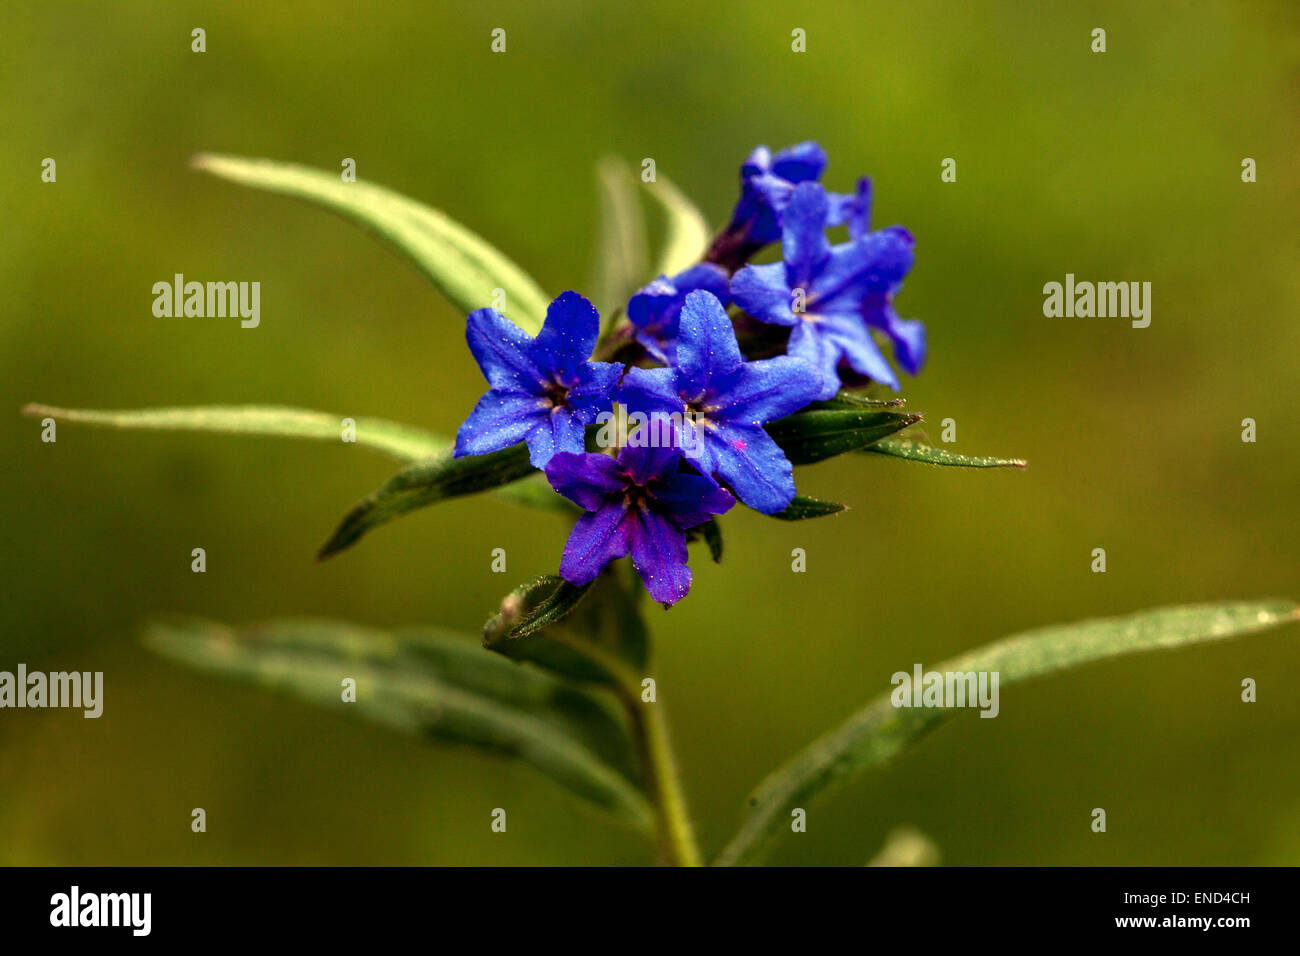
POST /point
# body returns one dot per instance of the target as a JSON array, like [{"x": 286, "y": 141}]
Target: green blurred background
[{"x": 1119, "y": 166}]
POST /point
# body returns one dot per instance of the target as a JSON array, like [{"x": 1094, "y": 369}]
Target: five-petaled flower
[
  {"x": 543, "y": 390},
  {"x": 833, "y": 296},
  {"x": 639, "y": 504},
  {"x": 767, "y": 183},
  {"x": 654, "y": 310},
  {"x": 726, "y": 400}
]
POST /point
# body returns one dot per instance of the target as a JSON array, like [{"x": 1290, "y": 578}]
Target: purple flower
[
  {"x": 767, "y": 183},
  {"x": 640, "y": 504},
  {"x": 722, "y": 402},
  {"x": 833, "y": 296},
  {"x": 654, "y": 310},
  {"x": 543, "y": 390}
]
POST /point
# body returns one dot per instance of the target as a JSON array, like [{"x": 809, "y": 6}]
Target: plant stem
[{"x": 676, "y": 836}]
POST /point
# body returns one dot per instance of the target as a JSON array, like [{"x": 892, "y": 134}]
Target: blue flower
[
  {"x": 767, "y": 183},
  {"x": 639, "y": 504},
  {"x": 833, "y": 296},
  {"x": 653, "y": 311},
  {"x": 543, "y": 390},
  {"x": 722, "y": 402}
]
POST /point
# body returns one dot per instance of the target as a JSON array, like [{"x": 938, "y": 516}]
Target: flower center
[{"x": 556, "y": 393}]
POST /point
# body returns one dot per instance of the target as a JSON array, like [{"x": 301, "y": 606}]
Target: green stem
[{"x": 676, "y": 837}]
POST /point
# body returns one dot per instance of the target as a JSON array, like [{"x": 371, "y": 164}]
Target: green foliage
[
  {"x": 911, "y": 450},
  {"x": 464, "y": 267},
  {"x": 423, "y": 483},
  {"x": 805, "y": 506},
  {"x": 879, "y": 731},
  {"x": 591, "y": 633},
  {"x": 433, "y": 684},
  {"x": 404, "y": 442},
  {"x": 825, "y": 431}
]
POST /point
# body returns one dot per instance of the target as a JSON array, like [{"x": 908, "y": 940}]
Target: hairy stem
[{"x": 676, "y": 836}]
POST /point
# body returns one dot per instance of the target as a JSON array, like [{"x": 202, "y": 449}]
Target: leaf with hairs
[
  {"x": 430, "y": 683},
  {"x": 880, "y": 731},
  {"x": 464, "y": 267}
]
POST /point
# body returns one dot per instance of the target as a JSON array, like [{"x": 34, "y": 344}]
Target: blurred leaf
[
  {"x": 711, "y": 532},
  {"x": 916, "y": 451},
  {"x": 603, "y": 641},
  {"x": 427, "y": 682},
  {"x": 823, "y": 432},
  {"x": 687, "y": 234},
  {"x": 404, "y": 442},
  {"x": 623, "y": 266},
  {"x": 464, "y": 267},
  {"x": 907, "y": 846},
  {"x": 805, "y": 506},
  {"x": 423, "y": 483},
  {"x": 875, "y": 734}
]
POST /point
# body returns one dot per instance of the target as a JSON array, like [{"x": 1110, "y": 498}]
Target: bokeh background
[{"x": 1118, "y": 166}]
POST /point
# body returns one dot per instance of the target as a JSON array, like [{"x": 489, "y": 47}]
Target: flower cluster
[{"x": 683, "y": 363}]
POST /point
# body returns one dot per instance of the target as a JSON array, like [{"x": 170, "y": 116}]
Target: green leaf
[
  {"x": 423, "y": 483},
  {"x": 711, "y": 532},
  {"x": 427, "y": 682},
  {"x": 916, "y": 451},
  {"x": 822, "y": 432},
  {"x": 875, "y": 734},
  {"x": 464, "y": 267},
  {"x": 603, "y": 639},
  {"x": 404, "y": 442},
  {"x": 687, "y": 234},
  {"x": 623, "y": 263},
  {"x": 805, "y": 506}
]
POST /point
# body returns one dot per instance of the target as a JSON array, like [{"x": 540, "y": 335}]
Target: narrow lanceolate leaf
[
  {"x": 423, "y": 483},
  {"x": 686, "y": 235},
  {"x": 464, "y": 267},
  {"x": 805, "y": 506},
  {"x": 875, "y": 734},
  {"x": 916, "y": 451},
  {"x": 823, "y": 432},
  {"x": 623, "y": 264},
  {"x": 589, "y": 633},
  {"x": 404, "y": 442},
  {"x": 432, "y": 684},
  {"x": 711, "y": 533}
]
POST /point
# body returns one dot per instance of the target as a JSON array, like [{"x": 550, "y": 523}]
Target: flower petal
[
  {"x": 650, "y": 390},
  {"x": 503, "y": 351},
  {"x": 804, "y": 245},
  {"x": 764, "y": 293},
  {"x": 800, "y": 162},
  {"x": 851, "y": 338},
  {"x": 586, "y": 479},
  {"x": 597, "y": 538},
  {"x": 561, "y": 430},
  {"x": 706, "y": 343},
  {"x": 758, "y": 392},
  {"x": 689, "y": 500},
  {"x": 807, "y": 342},
  {"x": 754, "y": 466},
  {"x": 594, "y": 392},
  {"x": 658, "y": 549},
  {"x": 908, "y": 335},
  {"x": 568, "y": 335},
  {"x": 499, "y": 420}
]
